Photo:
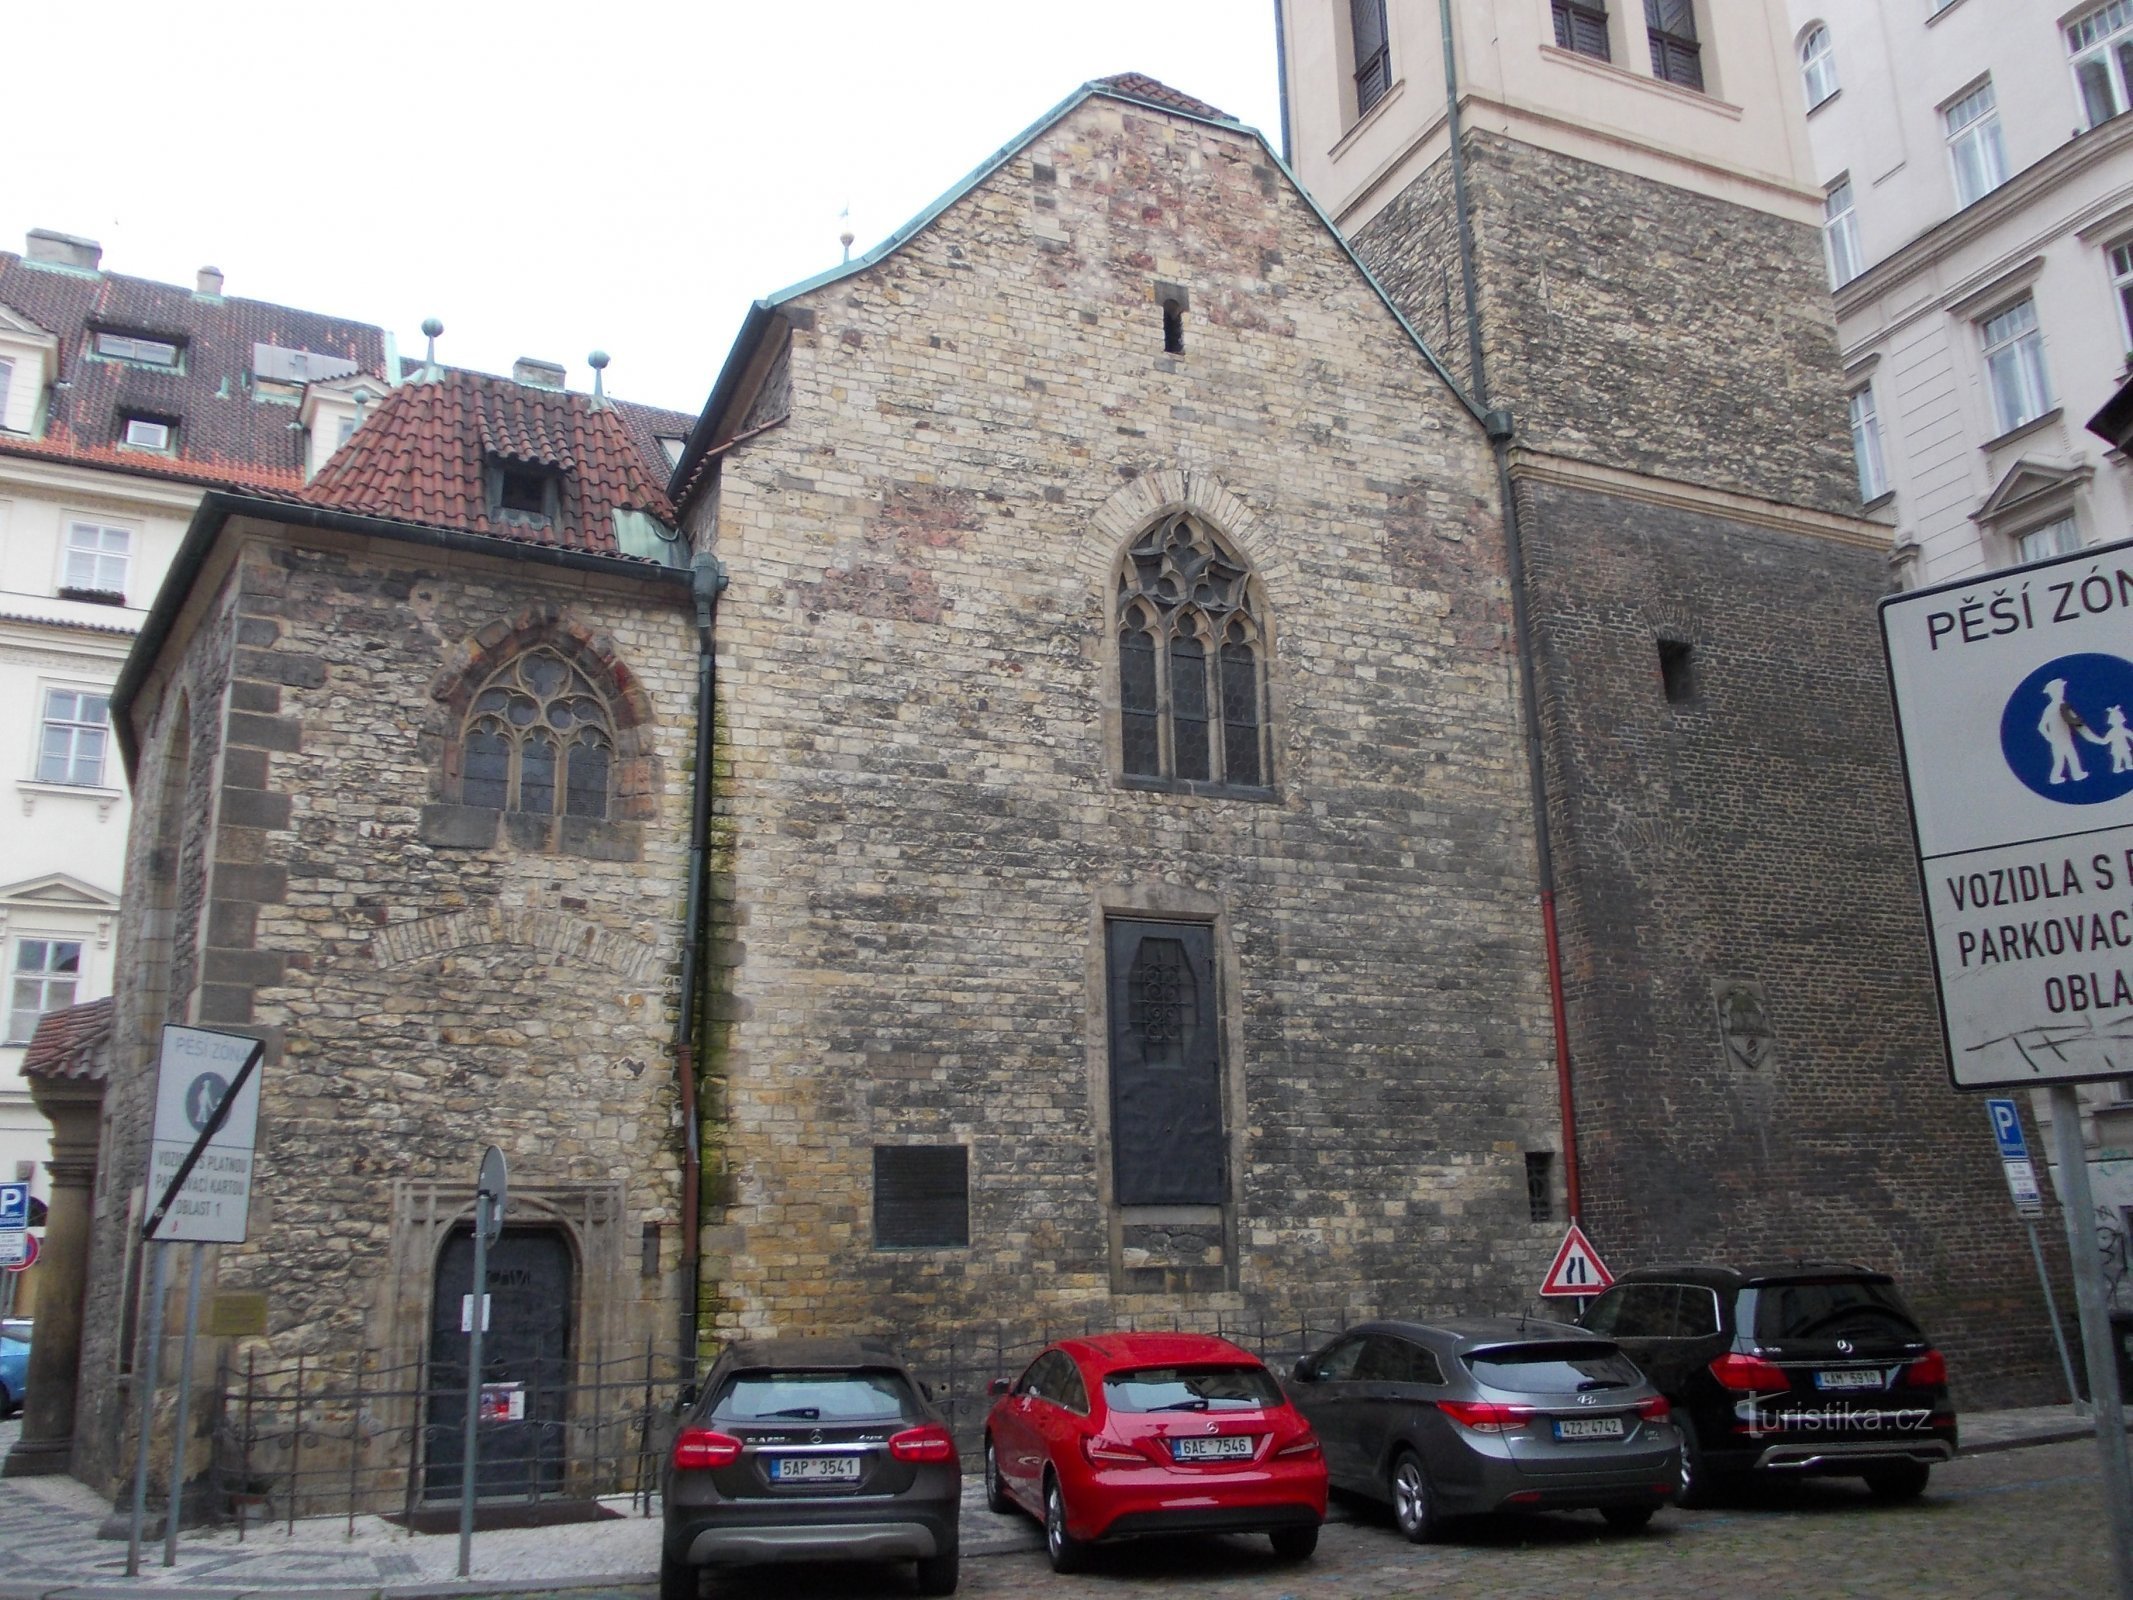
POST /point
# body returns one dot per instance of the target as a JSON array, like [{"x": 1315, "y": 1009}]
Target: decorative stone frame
[{"x": 448, "y": 822}]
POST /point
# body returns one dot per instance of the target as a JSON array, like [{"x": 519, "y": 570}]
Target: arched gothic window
[
  {"x": 538, "y": 739},
  {"x": 1191, "y": 661}
]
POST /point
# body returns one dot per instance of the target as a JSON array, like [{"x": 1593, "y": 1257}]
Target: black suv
[
  {"x": 1811, "y": 1369},
  {"x": 810, "y": 1450}
]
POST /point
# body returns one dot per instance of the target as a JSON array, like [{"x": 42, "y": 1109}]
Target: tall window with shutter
[
  {"x": 1677, "y": 55},
  {"x": 1581, "y": 25},
  {"x": 1373, "y": 57}
]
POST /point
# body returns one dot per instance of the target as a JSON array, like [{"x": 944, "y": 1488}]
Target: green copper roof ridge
[{"x": 768, "y": 304}]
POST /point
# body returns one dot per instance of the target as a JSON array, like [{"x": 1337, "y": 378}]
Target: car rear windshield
[
  {"x": 1788, "y": 1312},
  {"x": 1554, "y": 1368},
  {"x": 1213, "y": 1388},
  {"x": 811, "y": 1396}
]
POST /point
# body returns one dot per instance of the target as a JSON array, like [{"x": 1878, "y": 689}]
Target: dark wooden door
[
  {"x": 1166, "y": 1067},
  {"x": 532, "y": 1304}
]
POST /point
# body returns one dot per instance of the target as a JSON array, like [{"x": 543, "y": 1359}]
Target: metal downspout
[
  {"x": 1501, "y": 429},
  {"x": 1281, "y": 76},
  {"x": 707, "y": 580}
]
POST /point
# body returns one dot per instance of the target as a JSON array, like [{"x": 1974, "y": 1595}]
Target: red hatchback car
[{"x": 1127, "y": 1434}]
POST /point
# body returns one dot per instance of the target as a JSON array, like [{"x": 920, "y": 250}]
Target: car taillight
[
  {"x": 1486, "y": 1416},
  {"x": 1748, "y": 1373},
  {"x": 1929, "y": 1371},
  {"x": 928, "y": 1443},
  {"x": 1304, "y": 1447},
  {"x": 695, "y": 1448},
  {"x": 1655, "y": 1409},
  {"x": 1099, "y": 1451}
]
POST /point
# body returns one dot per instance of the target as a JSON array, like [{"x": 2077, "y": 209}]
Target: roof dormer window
[
  {"x": 149, "y": 433},
  {"x": 137, "y": 348},
  {"x": 520, "y": 493}
]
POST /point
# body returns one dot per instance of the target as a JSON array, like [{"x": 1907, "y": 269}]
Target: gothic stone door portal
[{"x": 532, "y": 1305}]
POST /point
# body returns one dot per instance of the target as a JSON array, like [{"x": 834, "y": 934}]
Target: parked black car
[
  {"x": 1809, "y": 1369},
  {"x": 1484, "y": 1415},
  {"x": 810, "y": 1450}
]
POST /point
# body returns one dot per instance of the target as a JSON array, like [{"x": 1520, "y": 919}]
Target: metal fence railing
[{"x": 354, "y": 1433}]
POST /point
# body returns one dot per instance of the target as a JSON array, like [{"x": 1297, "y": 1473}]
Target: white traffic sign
[
  {"x": 198, "y": 1067},
  {"x": 2014, "y": 711},
  {"x": 1578, "y": 1270},
  {"x": 29, "y": 1254}
]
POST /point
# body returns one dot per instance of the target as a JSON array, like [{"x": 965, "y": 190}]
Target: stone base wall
[{"x": 1760, "y": 1073}]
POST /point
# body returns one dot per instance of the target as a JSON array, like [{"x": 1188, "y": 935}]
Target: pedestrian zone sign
[
  {"x": 2014, "y": 720},
  {"x": 1578, "y": 1271},
  {"x": 196, "y": 1073}
]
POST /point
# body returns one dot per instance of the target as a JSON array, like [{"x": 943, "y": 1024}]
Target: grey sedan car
[
  {"x": 810, "y": 1450},
  {"x": 1488, "y": 1414}
]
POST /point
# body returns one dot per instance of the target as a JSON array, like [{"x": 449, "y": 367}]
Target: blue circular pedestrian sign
[{"x": 2067, "y": 730}]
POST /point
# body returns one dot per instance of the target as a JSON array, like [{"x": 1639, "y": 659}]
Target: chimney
[
  {"x": 64, "y": 249},
  {"x": 537, "y": 374},
  {"x": 210, "y": 281}
]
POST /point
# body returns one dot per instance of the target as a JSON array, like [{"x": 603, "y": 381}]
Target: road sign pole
[
  {"x": 2096, "y": 1342},
  {"x": 479, "y": 1300},
  {"x": 145, "y": 1363},
  {"x": 2051, "y": 1310},
  {"x": 185, "y": 1404}
]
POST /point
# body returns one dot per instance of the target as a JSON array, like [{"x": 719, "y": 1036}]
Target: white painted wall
[
  {"x": 62, "y": 848},
  {"x": 1741, "y": 140},
  {"x": 1910, "y": 323}
]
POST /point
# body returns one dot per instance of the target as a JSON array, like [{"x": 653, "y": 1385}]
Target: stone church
[{"x": 1034, "y": 819}]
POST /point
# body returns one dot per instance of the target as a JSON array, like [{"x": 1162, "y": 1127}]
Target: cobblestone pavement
[{"x": 2022, "y": 1523}]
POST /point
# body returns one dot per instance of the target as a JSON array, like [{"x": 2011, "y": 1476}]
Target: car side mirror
[
  {"x": 1305, "y": 1372},
  {"x": 999, "y": 1386}
]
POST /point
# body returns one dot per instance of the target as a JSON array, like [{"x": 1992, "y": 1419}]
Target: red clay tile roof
[
  {"x": 227, "y": 434},
  {"x": 73, "y": 1043},
  {"x": 1142, "y": 87},
  {"x": 422, "y": 455}
]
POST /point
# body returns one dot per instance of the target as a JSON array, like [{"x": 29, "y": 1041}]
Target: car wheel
[
  {"x": 995, "y": 1493},
  {"x": 1294, "y": 1544},
  {"x": 1898, "y": 1480},
  {"x": 1414, "y": 1503},
  {"x": 1068, "y": 1553},
  {"x": 1627, "y": 1519},
  {"x": 937, "y": 1574},
  {"x": 1699, "y": 1484},
  {"x": 677, "y": 1579}
]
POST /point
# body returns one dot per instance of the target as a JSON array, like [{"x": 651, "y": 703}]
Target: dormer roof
[{"x": 428, "y": 451}]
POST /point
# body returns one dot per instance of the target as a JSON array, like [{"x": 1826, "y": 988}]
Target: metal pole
[
  {"x": 479, "y": 1302},
  {"x": 146, "y": 1362},
  {"x": 185, "y": 1401},
  {"x": 2051, "y": 1308},
  {"x": 2080, "y": 1211}
]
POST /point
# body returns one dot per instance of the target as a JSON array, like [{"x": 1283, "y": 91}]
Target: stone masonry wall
[
  {"x": 919, "y": 808},
  {"x": 1757, "y": 836},
  {"x": 427, "y": 989},
  {"x": 1633, "y": 324}
]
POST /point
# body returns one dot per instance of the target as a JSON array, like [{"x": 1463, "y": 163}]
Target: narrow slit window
[
  {"x": 1540, "y": 1185},
  {"x": 1173, "y": 328},
  {"x": 1677, "y": 671}
]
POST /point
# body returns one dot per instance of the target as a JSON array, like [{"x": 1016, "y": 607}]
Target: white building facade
[{"x": 1976, "y": 164}]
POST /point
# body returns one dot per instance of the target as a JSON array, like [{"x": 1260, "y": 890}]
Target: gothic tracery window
[
  {"x": 1191, "y": 661},
  {"x": 538, "y": 739}
]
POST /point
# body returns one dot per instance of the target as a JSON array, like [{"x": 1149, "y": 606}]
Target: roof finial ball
[
  {"x": 431, "y": 328},
  {"x": 598, "y": 362}
]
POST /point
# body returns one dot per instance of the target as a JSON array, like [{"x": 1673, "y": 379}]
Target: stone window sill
[
  {"x": 1206, "y": 791},
  {"x": 2034, "y": 425},
  {"x": 32, "y": 791}
]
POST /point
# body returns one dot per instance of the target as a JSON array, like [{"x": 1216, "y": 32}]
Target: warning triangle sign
[{"x": 1578, "y": 1269}]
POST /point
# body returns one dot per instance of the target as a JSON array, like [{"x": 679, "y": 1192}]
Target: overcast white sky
[{"x": 546, "y": 178}]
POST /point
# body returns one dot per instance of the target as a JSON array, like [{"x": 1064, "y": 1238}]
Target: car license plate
[
  {"x": 1588, "y": 1428},
  {"x": 1225, "y": 1447},
  {"x": 1855, "y": 1378},
  {"x": 814, "y": 1469}
]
